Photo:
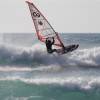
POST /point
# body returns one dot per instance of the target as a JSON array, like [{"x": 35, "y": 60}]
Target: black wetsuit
[{"x": 49, "y": 44}]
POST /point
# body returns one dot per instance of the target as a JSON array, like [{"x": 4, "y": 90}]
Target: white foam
[
  {"x": 14, "y": 69},
  {"x": 28, "y": 69},
  {"x": 22, "y": 98},
  {"x": 85, "y": 83},
  {"x": 83, "y": 57},
  {"x": 47, "y": 63},
  {"x": 37, "y": 53}
]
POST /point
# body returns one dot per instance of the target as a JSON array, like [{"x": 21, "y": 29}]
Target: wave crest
[{"x": 37, "y": 56}]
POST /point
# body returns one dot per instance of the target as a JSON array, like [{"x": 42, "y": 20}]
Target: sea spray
[{"x": 11, "y": 55}]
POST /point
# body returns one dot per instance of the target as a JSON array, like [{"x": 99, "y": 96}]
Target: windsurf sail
[{"x": 43, "y": 28}]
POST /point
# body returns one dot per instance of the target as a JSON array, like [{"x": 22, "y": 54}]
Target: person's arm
[{"x": 53, "y": 41}]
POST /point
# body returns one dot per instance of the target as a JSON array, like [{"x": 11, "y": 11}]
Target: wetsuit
[{"x": 49, "y": 44}]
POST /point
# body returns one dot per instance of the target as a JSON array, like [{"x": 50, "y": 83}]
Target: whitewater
[{"x": 28, "y": 64}]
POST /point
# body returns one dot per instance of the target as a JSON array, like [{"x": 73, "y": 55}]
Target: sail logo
[{"x": 36, "y": 14}]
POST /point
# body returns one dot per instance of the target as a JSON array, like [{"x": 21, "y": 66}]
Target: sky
[{"x": 70, "y": 16}]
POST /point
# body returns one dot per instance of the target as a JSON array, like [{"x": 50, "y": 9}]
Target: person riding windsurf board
[{"x": 47, "y": 34}]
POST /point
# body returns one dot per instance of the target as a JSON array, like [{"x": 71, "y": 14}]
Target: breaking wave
[
  {"x": 37, "y": 56},
  {"x": 35, "y": 66},
  {"x": 71, "y": 82}
]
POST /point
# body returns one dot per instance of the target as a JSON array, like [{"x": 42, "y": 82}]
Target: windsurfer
[
  {"x": 45, "y": 31},
  {"x": 49, "y": 42}
]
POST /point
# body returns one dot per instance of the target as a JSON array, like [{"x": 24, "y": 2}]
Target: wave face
[{"x": 37, "y": 55}]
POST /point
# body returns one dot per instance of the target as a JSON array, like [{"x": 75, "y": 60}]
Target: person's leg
[{"x": 53, "y": 50}]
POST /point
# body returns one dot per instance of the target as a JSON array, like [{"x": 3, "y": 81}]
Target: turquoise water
[
  {"x": 27, "y": 72},
  {"x": 17, "y": 91}
]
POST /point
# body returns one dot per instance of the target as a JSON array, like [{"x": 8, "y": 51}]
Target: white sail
[{"x": 43, "y": 28}]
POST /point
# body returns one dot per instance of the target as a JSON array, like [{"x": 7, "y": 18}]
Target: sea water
[{"x": 28, "y": 72}]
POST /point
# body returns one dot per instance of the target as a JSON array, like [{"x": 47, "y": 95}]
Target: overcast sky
[{"x": 64, "y": 15}]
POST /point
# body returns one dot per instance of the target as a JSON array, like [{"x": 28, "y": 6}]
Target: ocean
[{"x": 28, "y": 72}]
